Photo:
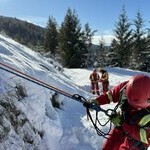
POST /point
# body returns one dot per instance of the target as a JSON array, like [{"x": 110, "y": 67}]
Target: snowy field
[{"x": 66, "y": 128}]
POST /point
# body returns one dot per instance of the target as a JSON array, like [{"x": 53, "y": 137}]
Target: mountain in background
[
  {"x": 26, "y": 33},
  {"x": 23, "y": 32}
]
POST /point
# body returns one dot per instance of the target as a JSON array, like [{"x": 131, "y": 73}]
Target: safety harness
[{"x": 143, "y": 115}]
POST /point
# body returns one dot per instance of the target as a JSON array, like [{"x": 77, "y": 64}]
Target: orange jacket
[
  {"x": 94, "y": 77},
  {"x": 104, "y": 76}
]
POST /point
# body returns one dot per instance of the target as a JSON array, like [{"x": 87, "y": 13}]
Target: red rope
[{"x": 37, "y": 80}]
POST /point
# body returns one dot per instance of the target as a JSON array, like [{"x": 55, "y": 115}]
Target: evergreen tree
[
  {"x": 139, "y": 43},
  {"x": 123, "y": 36},
  {"x": 146, "y": 60},
  {"x": 71, "y": 44},
  {"x": 51, "y": 36},
  {"x": 88, "y": 35},
  {"x": 87, "y": 39},
  {"x": 113, "y": 58},
  {"x": 101, "y": 54}
]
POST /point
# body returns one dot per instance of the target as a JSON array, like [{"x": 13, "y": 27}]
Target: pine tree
[
  {"x": 113, "y": 58},
  {"x": 101, "y": 53},
  {"x": 139, "y": 43},
  {"x": 87, "y": 39},
  {"x": 51, "y": 36},
  {"x": 146, "y": 60},
  {"x": 123, "y": 41},
  {"x": 71, "y": 44},
  {"x": 88, "y": 35}
]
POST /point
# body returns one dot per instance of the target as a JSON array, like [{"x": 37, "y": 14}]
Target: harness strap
[
  {"x": 137, "y": 144},
  {"x": 144, "y": 121},
  {"x": 143, "y": 114},
  {"x": 109, "y": 96},
  {"x": 143, "y": 136}
]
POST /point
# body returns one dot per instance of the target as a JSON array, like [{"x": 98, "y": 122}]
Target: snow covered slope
[{"x": 29, "y": 119}]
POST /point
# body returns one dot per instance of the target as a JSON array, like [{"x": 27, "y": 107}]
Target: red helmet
[{"x": 138, "y": 91}]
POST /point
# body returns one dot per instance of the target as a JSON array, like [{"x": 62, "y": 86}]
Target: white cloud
[{"x": 106, "y": 38}]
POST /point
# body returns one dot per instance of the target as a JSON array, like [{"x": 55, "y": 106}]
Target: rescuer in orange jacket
[
  {"x": 104, "y": 79},
  {"x": 94, "y": 78},
  {"x": 132, "y": 125}
]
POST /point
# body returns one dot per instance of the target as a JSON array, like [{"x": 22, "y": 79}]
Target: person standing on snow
[
  {"x": 132, "y": 124},
  {"x": 94, "y": 78},
  {"x": 104, "y": 79}
]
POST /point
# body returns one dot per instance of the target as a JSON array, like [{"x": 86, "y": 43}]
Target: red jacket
[{"x": 136, "y": 130}]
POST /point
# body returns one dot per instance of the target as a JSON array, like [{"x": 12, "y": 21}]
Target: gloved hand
[
  {"x": 116, "y": 119},
  {"x": 94, "y": 101},
  {"x": 92, "y": 104},
  {"x": 89, "y": 103}
]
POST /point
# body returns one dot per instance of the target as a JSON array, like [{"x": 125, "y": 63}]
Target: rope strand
[{"x": 32, "y": 79}]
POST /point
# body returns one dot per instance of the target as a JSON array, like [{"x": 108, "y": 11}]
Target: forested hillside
[{"x": 25, "y": 33}]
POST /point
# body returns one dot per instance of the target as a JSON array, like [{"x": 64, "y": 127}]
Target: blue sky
[{"x": 100, "y": 14}]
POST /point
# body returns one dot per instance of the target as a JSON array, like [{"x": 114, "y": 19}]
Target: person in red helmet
[
  {"x": 132, "y": 124},
  {"x": 94, "y": 78}
]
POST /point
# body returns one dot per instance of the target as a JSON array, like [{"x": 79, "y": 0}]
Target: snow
[{"x": 66, "y": 128}]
